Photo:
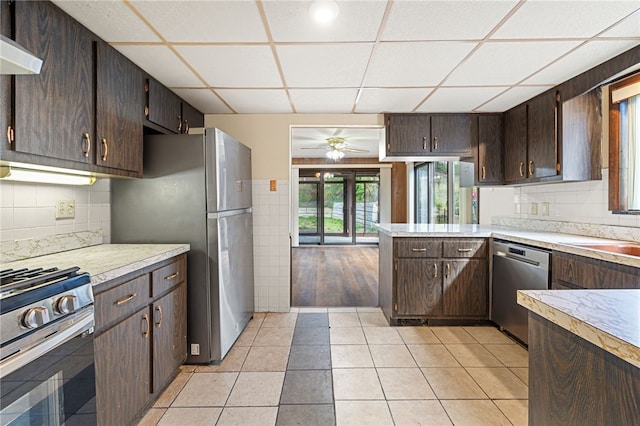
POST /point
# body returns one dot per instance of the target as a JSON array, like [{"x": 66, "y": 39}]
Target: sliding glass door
[
  {"x": 439, "y": 199},
  {"x": 338, "y": 206}
]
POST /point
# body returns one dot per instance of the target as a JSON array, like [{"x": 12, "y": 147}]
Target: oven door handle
[{"x": 81, "y": 324}]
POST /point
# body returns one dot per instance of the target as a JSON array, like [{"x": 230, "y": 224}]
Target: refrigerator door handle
[{"x": 227, "y": 213}]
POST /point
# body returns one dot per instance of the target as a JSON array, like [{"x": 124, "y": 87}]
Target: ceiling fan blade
[
  {"x": 311, "y": 147},
  {"x": 353, "y": 150}
]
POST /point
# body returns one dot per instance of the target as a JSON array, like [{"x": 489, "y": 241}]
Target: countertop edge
[
  {"x": 606, "y": 341},
  {"x": 115, "y": 273}
]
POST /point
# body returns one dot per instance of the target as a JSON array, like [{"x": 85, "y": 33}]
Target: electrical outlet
[
  {"x": 533, "y": 209},
  {"x": 544, "y": 209},
  {"x": 195, "y": 349},
  {"x": 65, "y": 209}
]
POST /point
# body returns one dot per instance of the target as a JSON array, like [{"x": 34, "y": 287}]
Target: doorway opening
[{"x": 338, "y": 207}]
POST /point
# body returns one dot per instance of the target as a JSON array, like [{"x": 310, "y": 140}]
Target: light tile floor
[{"x": 347, "y": 366}]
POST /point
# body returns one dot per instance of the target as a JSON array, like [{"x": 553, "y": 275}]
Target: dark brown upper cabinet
[
  {"x": 53, "y": 110},
  {"x": 418, "y": 135},
  {"x": 191, "y": 117},
  {"x": 119, "y": 100},
  {"x": 515, "y": 144},
  {"x": 164, "y": 108},
  {"x": 543, "y": 136},
  {"x": 490, "y": 147}
]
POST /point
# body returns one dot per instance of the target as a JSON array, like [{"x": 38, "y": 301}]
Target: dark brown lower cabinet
[
  {"x": 571, "y": 271},
  {"x": 433, "y": 279},
  {"x": 574, "y": 382},
  {"x": 140, "y": 339}
]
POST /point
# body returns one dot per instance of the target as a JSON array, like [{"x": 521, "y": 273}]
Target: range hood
[{"x": 14, "y": 59}]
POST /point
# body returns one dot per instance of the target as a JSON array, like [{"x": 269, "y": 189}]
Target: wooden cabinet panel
[
  {"x": 408, "y": 134},
  {"x": 418, "y": 247},
  {"x": 122, "y": 357},
  {"x": 465, "y": 288},
  {"x": 419, "y": 287},
  {"x": 465, "y": 248},
  {"x": 169, "y": 335},
  {"x": 54, "y": 110},
  {"x": 573, "y": 271},
  {"x": 120, "y": 106},
  {"x": 515, "y": 144},
  {"x": 191, "y": 117},
  {"x": 164, "y": 278},
  {"x": 164, "y": 107},
  {"x": 543, "y": 142},
  {"x": 490, "y": 147},
  {"x": 116, "y": 303},
  {"x": 6, "y": 89},
  {"x": 451, "y": 133}
]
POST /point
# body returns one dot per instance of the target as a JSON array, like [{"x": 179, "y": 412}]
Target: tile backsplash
[
  {"x": 271, "y": 246},
  {"x": 27, "y": 210}
]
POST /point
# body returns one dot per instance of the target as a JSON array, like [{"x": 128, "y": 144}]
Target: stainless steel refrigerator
[{"x": 197, "y": 189}]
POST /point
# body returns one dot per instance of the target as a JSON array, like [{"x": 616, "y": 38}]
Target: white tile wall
[
  {"x": 271, "y": 246},
  {"x": 582, "y": 202},
  {"x": 28, "y": 210}
]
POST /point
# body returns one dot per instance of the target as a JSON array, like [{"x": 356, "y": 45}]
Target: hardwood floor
[{"x": 335, "y": 276}]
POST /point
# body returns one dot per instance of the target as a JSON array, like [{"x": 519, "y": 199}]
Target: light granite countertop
[
  {"x": 106, "y": 261},
  {"x": 549, "y": 240},
  {"x": 610, "y": 319}
]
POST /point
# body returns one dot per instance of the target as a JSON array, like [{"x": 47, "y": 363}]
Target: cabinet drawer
[
  {"x": 418, "y": 247},
  {"x": 168, "y": 276},
  {"x": 465, "y": 248},
  {"x": 121, "y": 301}
]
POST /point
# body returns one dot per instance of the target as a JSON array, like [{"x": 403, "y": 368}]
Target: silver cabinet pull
[
  {"x": 521, "y": 169},
  {"x": 145, "y": 322},
  {"x": 447, "y": 272},
  {"x": 418, "y": 249},
  {"x": 106, "y": 149},
  {"x": 424, "y": 142},
  {"x": 435, "y": 143},
  {"x": 86, "y": 140},
  {"x": 159, "y": 321},
  {"x": 532, "y": 168},
  {"x": 172, "y": 276},
  {"x": 465, "y": 250},
  {"x": 435, "y": 270}
]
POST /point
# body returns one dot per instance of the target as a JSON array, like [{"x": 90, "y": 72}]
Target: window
[
  {"x": 439, "y": 198},
  {"x": 624, "y": 145}
]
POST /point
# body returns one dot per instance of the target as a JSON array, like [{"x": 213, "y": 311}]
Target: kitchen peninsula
[{"x": 584, "y": 356}]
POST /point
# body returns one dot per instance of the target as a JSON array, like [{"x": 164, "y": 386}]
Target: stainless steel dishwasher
[{"x": 516, "y": 267}]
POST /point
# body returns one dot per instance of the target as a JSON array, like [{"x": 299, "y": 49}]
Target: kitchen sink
[{"x": 630, "y": 249}]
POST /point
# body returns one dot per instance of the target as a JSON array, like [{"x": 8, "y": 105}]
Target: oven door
[{"x": 52, "y": 383}]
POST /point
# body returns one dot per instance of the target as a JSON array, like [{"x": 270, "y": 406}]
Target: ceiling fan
[{"x": 336, "y": 147}]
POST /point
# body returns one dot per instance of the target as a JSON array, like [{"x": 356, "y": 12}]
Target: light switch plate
[
  {"x": 65, "y": 209},
  {"x": 533, "y": 209},
  {"x": 544, "y": 209}
]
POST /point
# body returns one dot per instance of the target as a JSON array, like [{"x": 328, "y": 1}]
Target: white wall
[{"x": 28, "y": 210}]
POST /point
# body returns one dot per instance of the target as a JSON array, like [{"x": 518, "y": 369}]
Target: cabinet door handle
[
  {"x": 424, "y": 142},
  {"x": 532, "y": 168},
  {"x": 186, "y": 126},
  {"x": 464, "y": 250},
  {"x": 435, "y": 270},
  {"x": 86, "y": 141},
  {"x": 484, "y": 172},
  {"x": 521, "y": 168},
  {"x": 179, "y": 124},
  {"x": 10, "y": 134},
  {"x": 419, "y": 249},
  {"x": 106, "y": 149},
  {"x": 146, "y": 112},
  {"x": 159, "y": 320},
  {"x": 447, "y": 271},
  {"x": 172, "y": 276},
  {"x": 435, "y": 143},
  {"x": 126, "y": 299},
  {"x": 145, "y": 325}
]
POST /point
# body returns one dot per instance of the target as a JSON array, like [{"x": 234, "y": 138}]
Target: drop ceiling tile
[
  {"x": 204, "y": 21},
  {"x": 110, "y": 20},
  {"x": 506, "y": 63},
  {"x": 459, "y": 99},
  {"x": 630, "y": 27},
  {"x": 161, "y": 63},
  {"x": 233, "y": 66},
  {"x": 444, "y": 20},
  {"x": 330, "y": 65},
  {"x": 375, "y": 100},
  {"x": 327, "y": 101},
  {"x": 512, "y": 97},
  {"x": 564, "y": 19},
  {"x": 204, "y": 100},
  {"x": 395, "y": 64},
  {"x": 580, "y": 60},
  {"x": 356, "y": 21},
  {"x": 257, "y": 101}
]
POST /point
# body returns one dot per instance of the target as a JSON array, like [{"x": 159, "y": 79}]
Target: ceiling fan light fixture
[
  {"x": 324, "y": 11},
  {"x": 335, "y": 154}
]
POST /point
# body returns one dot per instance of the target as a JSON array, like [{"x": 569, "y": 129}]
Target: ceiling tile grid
[{"x": 268, "y": 56}]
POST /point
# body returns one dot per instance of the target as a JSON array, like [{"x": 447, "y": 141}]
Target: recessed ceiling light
[{"x": 323, "y": 11}]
